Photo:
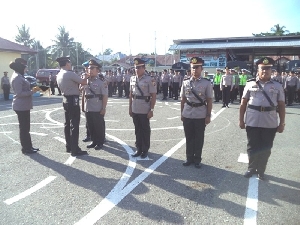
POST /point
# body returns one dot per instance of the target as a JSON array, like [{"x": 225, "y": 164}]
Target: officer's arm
[
  {"x": 281, "y": 112},
  {"x": 183, "y": 100},
  {"x": 243, "y": 107},
  {"x": 209, "y": 107},
  {"x": 152, "y": 100}
]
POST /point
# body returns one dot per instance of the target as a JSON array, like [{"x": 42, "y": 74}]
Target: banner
[{"x": 211, "y": 58}]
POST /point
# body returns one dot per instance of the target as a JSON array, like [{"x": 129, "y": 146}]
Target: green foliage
[
  {"x": 24, "y": 37},
  {"x": 107, "y": 51},
  {"x": 276, "y": 30}
]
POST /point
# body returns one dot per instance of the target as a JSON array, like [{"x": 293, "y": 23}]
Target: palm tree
[
  {"x": 278, "y": 30},
  {"x": 63, "y": 44},
  {"x": 24, "y": 37}
]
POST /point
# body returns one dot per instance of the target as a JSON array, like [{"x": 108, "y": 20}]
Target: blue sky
[{"x": 108, "y": 24}]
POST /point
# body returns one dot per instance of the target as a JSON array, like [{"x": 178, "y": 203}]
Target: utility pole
[{"x": 155, "y": 49}]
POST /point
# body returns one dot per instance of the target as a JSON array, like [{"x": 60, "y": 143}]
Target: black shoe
[
  {"x": 68, "y": 150},
  {"x": 28, "y": 151},
  {"x": 79, "y": 153},
  {"x": 223, "y": 106},
  {"x": 261, "y": 176},
  {"x": 86, "y": 139},
  {"x": 35, "y": 149},
  {"x": 248, "y": 174},
  {"x": 227, "y": 106},
  {"x": 91, "y": 145},
  {"x": 144, "y": 155},
  {"x": 136, "y": 154},
  {"x": 198, "y": 165},
  {"x": 187, "y": 163},
  {"x": 98, "y": 147}
]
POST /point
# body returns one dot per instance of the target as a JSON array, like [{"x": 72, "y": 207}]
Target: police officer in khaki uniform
[
  {"x": 242, "y": 80},
  {"x": 291, "y": 84},
  {"x": 5, "y": 85},
  {"x": 22, "y": 103},
  {"x": 226, "y": 86},
  {"x": 95, "y": 100},
  {"x": 68, "y": 82},
  {"x": 196, "y": 105},
  {"x": 142, "y": 99},
  {"x": 177, "y": 80},
  {"x": 259, "y": 101}
]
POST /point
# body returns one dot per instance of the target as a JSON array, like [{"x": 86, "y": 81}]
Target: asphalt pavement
[{"x": 108, "y": 186}]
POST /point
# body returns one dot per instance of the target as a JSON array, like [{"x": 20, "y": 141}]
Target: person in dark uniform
[
  {"x": 95, "y": 99},
  {"x": 259, "y": 101},
  {"x": 68, "y": 82},
  {"x": 196, "y": 105},
  {"x": 142, "y": 99},
  {"x": 291, "y": 84},
  {"x": 5, "y": 85},
  {"x": 22, "y": 103},
  {"x": 52, "y": 80},
  {"x": 226, "y": 86}
]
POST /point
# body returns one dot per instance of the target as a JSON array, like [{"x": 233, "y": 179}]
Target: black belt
[
  {"x": 94, "y": 96},
  {"x": 141, "y": 97},
  {"x": 193, "y": 104},
  {"x": 261, "y": 108}
]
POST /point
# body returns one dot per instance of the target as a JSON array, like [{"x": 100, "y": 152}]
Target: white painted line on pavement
[
  {"x": 115, "y": 196},
  {"x": 6, "y": 132},
  {"x": 175, "y": 109},
  {"x": 243, "y": 158},
  {"x": 251, "y": 202},
  {"x": 52, "y": 120},
  {"x": 30, "y": 191},
  {"x": 71, "y": 159},
  {"x": 60, "y": 139},
  {"x": 172, "y": 118},
  {"x": 39, "y": 134}
]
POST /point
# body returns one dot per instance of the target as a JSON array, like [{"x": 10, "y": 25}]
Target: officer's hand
[
  {"x": 103, "y": 111},
  {"x": 280, "y": 128},
  {"x": 182, "y": 118},
  {"x": 242, "y": 125},
  {"x": 150, "y": 114},
  {"x": 207, "y": 120},
  {"x": 130, "y": 112}
]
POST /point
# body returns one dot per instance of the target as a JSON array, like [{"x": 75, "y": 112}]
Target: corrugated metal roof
[{"x": 237, "y": 44}]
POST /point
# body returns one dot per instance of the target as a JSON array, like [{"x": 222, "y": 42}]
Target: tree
[
  {"x": 276, "y": 30},
  {"x": 63, "y": 44},
  {"x": 107, "y": 51},
  {"x": 24, "y": 37}
]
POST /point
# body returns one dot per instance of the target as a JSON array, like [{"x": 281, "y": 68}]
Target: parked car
[
  {"x": 211, "y": 77},
  {"x": 31, "y": 80},
  {"x": 42, "y": 75}
]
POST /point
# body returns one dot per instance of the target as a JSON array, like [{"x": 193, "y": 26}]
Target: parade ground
[{"x": 108, "y": 186}]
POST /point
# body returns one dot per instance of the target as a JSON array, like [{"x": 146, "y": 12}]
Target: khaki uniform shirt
[
  {"x": 119, "y": 77},
  {"x": 68, "y": 82},
  {"x": 98, "y": 86},
  {"x": 22, "y": 99},
  {"x": 165, "y": 78},
  {"x": 147, "y": 85},
  {"x": 227, "y": 80},
  {"x": 256, "y": 97},
  {"x": 203, "y": 88},
  {"x": 4, "y": 80},
  {"x": 127, "y": 78},
  {"x": 177, "y": 79}
]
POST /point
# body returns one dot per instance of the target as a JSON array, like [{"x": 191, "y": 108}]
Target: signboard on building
[{"x": 211, "y": 58}]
